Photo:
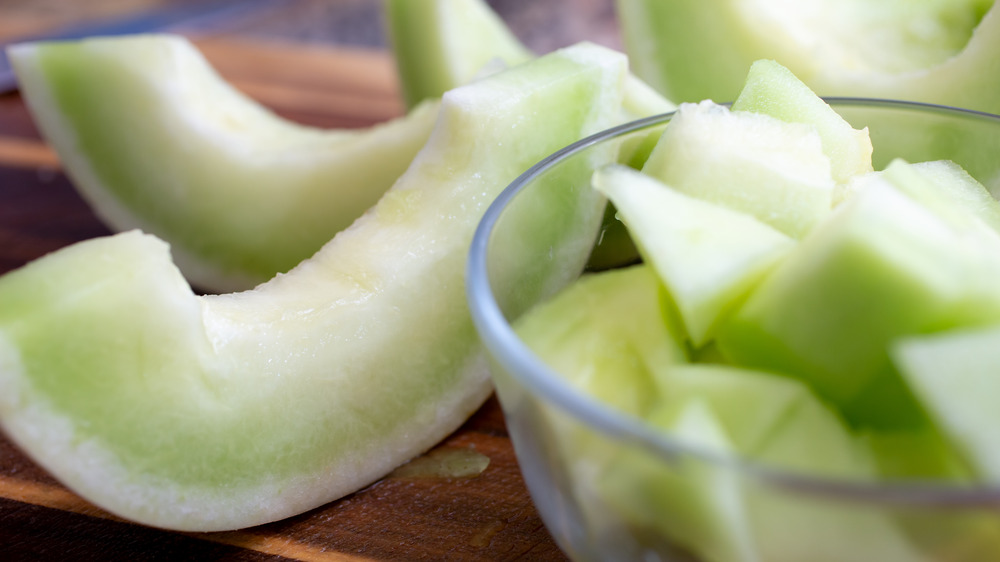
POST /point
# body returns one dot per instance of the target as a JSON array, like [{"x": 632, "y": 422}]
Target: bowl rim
[{"x": 500, "y": 341}]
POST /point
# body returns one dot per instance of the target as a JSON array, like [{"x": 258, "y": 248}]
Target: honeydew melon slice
[
  {"x": 225, "y": 411},
  {"x": 773, "y": 90},
  {"x": 153, "y": 138},
  {"x": 707, "y": 256},
  {"x": 884, "y": 266},
  {"x": 753, "y": 163},
  {"x": 440, "y": 45},
  {"x": 940, "y": 51}
]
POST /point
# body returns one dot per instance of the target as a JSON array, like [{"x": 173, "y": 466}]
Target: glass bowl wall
[{"x": 571, "y": 448}]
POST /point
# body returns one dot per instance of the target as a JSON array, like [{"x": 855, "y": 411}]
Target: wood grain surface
[{"x": 406, "y": 516}]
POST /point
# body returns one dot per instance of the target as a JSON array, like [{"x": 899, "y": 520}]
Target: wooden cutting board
[{"x": 426, "y": 514}]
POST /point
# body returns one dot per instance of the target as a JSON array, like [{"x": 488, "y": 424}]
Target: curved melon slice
[
  {"x": 441, "y": 45},
  {"x": 225, "y": 411},
  {"x": 153, "y": 138},
  {"x": 941, "y": 51}
]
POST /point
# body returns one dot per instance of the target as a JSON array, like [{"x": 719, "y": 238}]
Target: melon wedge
[
  {"x": 225, "y": 411},
  {"x": 440, "y": 45},
  {"x": 941, "y": 51},
  {"x": 153, "y": 138},
  {"x": 749, "y": 162}
]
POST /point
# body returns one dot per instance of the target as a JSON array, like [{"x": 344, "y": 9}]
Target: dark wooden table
[{"x": 318, "y": 62}]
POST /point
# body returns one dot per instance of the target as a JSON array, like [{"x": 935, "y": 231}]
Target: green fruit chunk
[
  {"x": 749, "y": 405},
  {"x": 153, "y": 138},
  {"x": 753, "y": 163},
  {"x": 938, "y": 51},
  {"x": 773, "y": 90},
  {"x": 614, "y": 357},
  {"x": 954, "y": 374},
  {"x": 225, "y": 411},
  {"x": 885, "y": 266},
  {"x": 698, "y": 506},
  {"x": 707, "y": 256}
]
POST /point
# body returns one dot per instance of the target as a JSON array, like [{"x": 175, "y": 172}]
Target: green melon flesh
[
  {"x": 707, "y": 256},
  {"x": 442, "y": 44},
  {"x": 773, "y": 90},
  {"x": 954, "y": 374},
  {"x": 883, "y": 267},
  {"x": 753, "y": 163},
  {"x": 153, "y": 138},
  {"x": 225, "y": 411},
  {"x": 614, "y": 357},
  {"x": 938, "y": 51}
]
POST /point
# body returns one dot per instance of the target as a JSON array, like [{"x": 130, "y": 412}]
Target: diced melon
[
  {"x": 583, "y": 335},
  {"x": 697, "y": 505},
  {"x": 955, "y": 376},
  {"x": 961, "y": 189},
  {"x": 790, "y": 524},
  {"x": 225, "y": 411},
  {"x": 153, "y": 138},
  {"x": 771, "y": 89},
  {"x": 749, "y": 405},
  {"x": 883, "y": 267},
  {"x": 754, "y": 163},
  {"x": 707, "y": 256}
]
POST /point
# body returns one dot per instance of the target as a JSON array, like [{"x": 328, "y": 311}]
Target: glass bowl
[{"x": 568, "y": 444}]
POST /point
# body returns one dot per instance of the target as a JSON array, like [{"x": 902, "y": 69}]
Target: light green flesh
[
  {"x": 937, "y": 51},
  {"x": 708, "y": 256},
  {"x": 749, "y": 405},
  {"x": 697, "y": 505},
  {"x": 154, "y": 139},
  {"x": 884, "y": 265},
  {"x": 442, "y": 44},
  {"x": 611, "y": 356},
  {"x": 773, "y": 90},
  {"x": 753, "y": 163},
  {"x": 954, "y": 374},
  {"x": 957, "y": 189},
  {"x": 226, "y": 411}
]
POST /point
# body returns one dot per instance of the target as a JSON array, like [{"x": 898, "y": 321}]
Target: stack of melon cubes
[{"x": 795, "y": 309}]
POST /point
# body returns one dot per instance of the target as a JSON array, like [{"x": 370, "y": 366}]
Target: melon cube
[
  {"x": 707, "y": 256},
  {"x": 883, "y": 267},
  {"x": 772, "y": 89},
  {"x": 753, "y": 163}
]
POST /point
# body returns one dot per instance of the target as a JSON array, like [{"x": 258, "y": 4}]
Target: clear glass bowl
[{"x": 568, "y": 444}]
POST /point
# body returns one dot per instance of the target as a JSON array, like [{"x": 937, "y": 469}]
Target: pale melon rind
[
  {"x": 226, "y": 411},
  {"x": 153, "y": 138},
  {"x": 691, "y": 50}
]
